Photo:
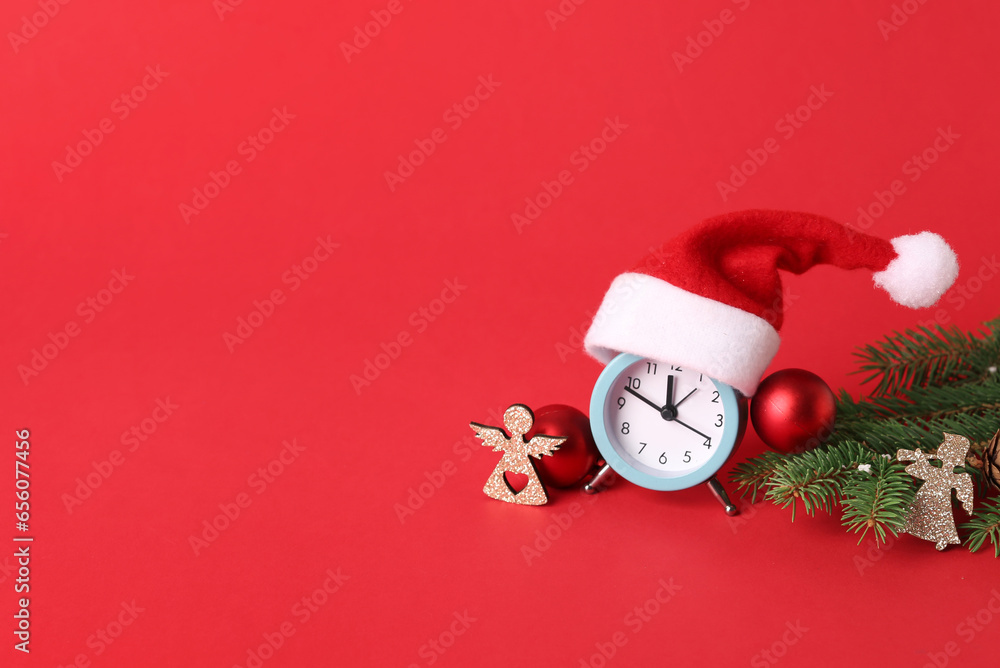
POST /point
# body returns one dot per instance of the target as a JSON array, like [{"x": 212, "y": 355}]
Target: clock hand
[
  {"x": 670, "y": 392},
  {"x": 692, "y": 429},
  {"x": 639, "y": 396},
  {"x": 685, "y": 397}
]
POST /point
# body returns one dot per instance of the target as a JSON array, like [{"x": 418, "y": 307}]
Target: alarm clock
[{"x": 665, "y": 426}]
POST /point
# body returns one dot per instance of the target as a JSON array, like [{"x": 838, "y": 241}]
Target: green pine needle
[
  {"x": 985, "y": 524},
  {"x": 752, "y": 475},
  {"x": 975, "y": 398},
  {"x": 816, "y": 478},
  {"x": 929, "y": 357},
  {"x": 886, "y": 436},
  {"x": 878, "y": 500}
]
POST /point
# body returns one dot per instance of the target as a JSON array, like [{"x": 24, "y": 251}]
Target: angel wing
[
  {"x": 543, "y": 445},
  {"x": 492, "y": 437},
  {"x": 963, "y": 489}
]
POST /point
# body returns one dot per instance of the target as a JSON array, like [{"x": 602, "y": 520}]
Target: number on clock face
[{"x": 665, "y": 417}]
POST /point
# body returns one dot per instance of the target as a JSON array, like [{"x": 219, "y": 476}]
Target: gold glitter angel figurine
[
  {"x": 930, "y": 515},
  {"x": 518, "y": 419}
]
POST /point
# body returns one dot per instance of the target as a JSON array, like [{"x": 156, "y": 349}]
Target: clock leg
[
  {"x": 720, "y": 493},
  {"x": 596, "y": 483}
]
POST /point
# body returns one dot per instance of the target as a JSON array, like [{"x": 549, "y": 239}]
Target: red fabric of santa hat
[{"x": 711, "y": 298}]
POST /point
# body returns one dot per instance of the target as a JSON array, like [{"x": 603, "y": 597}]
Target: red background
[{"x": 528, "y": 293}]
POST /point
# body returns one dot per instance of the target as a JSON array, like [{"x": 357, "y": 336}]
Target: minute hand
[
  {"x": 685, "y": 397},
  {"x": 692, "y": 429},
  {"x": 639, "y": 396}
]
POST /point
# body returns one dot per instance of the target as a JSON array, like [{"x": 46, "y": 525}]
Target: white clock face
[{"x": 669, "y": 420}]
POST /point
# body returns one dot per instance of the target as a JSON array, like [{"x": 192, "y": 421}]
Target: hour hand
[{"x": 642, "y": 398}]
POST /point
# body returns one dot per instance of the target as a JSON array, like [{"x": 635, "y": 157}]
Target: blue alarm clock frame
[{"x": 639, "y": 473}]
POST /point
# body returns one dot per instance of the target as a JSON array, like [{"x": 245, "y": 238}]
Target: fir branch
[
  {"x": 929, "y": 357},
  {"x": 931, "y": 402},
  {"x": 885, "y": 436},
  {"x": 985, "y": 524},
  {"x": 752, "y": 475},
  {"x": 815, "y": 478},
  {"x": 877, "y": 436},
  {"x": 878, "y": 500},
  {"x": 848, "y": 409},
  {"x": 930, "y": 382}
]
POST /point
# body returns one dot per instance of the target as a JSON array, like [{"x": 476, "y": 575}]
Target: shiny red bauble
[
  {"x": 576, "y": 456},
  {"x": 793, "y": 410}
]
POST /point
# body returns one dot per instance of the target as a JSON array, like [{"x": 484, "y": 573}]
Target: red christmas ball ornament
[
  {"x": 793, "y": 410},
  {"x": 576, "y": 456}
]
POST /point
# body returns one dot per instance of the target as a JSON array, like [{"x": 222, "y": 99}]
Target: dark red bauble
[
  {"x": 793, "y": 410},
  {"x": 576, "y": 456}
]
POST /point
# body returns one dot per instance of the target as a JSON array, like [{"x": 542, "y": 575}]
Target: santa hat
[{"x": 711, "y": 298}]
